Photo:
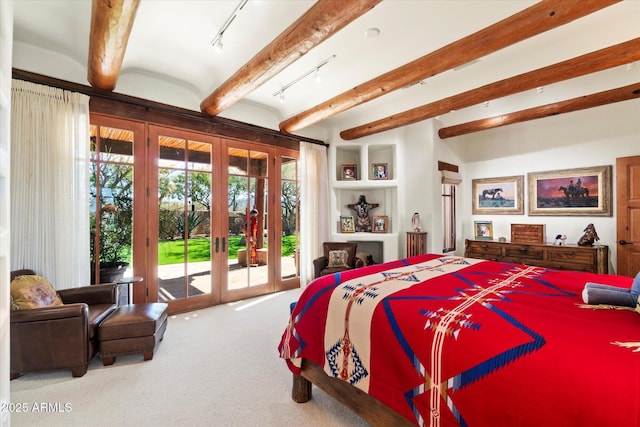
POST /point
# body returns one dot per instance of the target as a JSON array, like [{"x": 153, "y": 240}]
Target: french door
[{"x": 215, "y": 219}]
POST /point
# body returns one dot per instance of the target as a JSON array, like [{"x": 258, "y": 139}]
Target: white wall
[
  {"x": 6, "y": 37},
  {"x": 586, "y": 138}
]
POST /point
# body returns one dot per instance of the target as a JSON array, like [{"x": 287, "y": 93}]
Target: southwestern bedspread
[{"x": 452, "y": 341}]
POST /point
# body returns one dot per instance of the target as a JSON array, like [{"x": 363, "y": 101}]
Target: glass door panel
[
  {"x": 247, "y": 190},
  {"x": 289, "y": 266},
  {"x": 111, "y": 203},
  {"x": 184, "y": 218}
]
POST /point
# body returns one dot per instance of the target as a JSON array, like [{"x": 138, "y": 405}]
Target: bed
[{"x": 440, "y": 340}]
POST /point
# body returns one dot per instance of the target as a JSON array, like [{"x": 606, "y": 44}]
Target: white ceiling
[{"x": 170, "y": 45}]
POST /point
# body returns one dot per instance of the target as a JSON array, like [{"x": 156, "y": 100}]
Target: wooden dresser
[{"x": 594, "y": 259}]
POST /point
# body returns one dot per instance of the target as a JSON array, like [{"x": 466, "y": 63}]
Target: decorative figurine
[
  {"x": 561, "y": 240},
  {"x": 363, "y": 222},
  {"x": 415, "y": 222},
  {"x": 589, "y": 237}
]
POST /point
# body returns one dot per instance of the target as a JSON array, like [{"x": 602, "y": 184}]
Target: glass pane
[
  {"x": 184, "y": 196},
  {"x": 111, "y": 203},
  {"x": 288, "y": 169},
  {"x": 247, "y": 201},
  {"x": 199, "y": 156},
  {"x": 238, "y": 161},
  {"x": 172, "y": 152},
  {"x": 116, "y": 145},
  {"x": 172, "y": 248},
  {"x": 257, "y": 240},
  {"x": 199, "y": 233},
  {"x": 289, "y": 241},
  {"x": 258, "y": 164}
]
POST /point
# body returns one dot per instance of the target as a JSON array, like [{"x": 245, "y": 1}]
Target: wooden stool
[{"x": 134, "y": 328}]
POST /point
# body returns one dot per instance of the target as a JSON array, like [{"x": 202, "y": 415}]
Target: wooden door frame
[
  {"x": 192, "y": 302},
  {"x": 627, "y": 203}
]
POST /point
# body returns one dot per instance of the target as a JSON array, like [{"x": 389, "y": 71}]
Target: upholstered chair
[
  {"x": 55, "y": 330},
  {"x": 337, "y": 257}
]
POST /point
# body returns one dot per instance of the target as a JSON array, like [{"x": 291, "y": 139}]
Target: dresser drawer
[
  {"x": 483, "y": 250},
  {"x": 524, "y": 252},
  {"x": 573, "y": 257}
]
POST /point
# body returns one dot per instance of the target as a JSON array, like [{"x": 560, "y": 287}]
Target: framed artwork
[
  {"x": 349, "y": 171},
  {"x": 483, "y": 230},
  {"x": 502, "y": 195},
  {"x": 347, "y": 224},
  {"x": 379, "y": 171},
  {"x": 380, "y": 224},
  {"x": 571, "y": 192}
]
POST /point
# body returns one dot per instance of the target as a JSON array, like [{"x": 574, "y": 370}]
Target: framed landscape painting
[
  {"x": 502, "y": 195},
  {"x": 581, "y": 191}
]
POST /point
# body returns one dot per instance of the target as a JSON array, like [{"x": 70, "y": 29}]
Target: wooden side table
[{"x": 416, "y": 243}]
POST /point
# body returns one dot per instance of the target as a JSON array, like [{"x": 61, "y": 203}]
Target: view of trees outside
[{"x": 111, "y": 185}]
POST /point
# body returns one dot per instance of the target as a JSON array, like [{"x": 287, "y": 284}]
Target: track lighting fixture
[
  {"x": 217, "y": 40},
  {"x": 315, "y": 70}
]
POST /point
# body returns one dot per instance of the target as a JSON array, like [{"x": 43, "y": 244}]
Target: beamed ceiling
[{"x": 471, "y": 64}]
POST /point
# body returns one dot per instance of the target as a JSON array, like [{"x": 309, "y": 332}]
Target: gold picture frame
[
  {"x": 571, "y": 192},
  {"x": 500, "y": 195},
  {"x": 379, "y": 224},
  {"x": 347, "y": 225},
  {"x": 483, "y": 230},
  {"x": 349, "y": 172}
]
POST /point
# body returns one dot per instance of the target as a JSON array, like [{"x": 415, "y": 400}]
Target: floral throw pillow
[
  {"x": 338, "y": 259},
  {"x": 32, "y": 291}
]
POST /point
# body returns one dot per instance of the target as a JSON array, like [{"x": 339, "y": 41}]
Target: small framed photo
[
  {"x": 380, "y": 224},
  {"x": 349, "y": 171},
  {"x": 379, "y": 171},
  {"x": 347, "y": 225},
  {"x": 483, "y": 230}
]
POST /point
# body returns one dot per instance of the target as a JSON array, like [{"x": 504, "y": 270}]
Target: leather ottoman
[{"x": 134, "y": 328}]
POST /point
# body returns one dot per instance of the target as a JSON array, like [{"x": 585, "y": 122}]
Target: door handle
[
  {"x": 224, "y": 241},
  {"x": 624, "y": 242},
  {"x": 217, "y": 244}
]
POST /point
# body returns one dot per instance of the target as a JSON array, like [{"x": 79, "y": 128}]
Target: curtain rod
[{"x": 90, "y": 91}]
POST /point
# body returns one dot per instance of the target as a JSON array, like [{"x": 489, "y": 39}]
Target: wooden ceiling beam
[
  {"x": 613, "y": 56},
  {"x": 580, "y": 103},
  {"x": 111, "y": 23},
  {"x": 321, "y": 21},
  {"x": 540, "y": 17}
]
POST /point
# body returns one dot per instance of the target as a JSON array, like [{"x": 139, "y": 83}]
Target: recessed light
[{"x": 372, "y": 33}]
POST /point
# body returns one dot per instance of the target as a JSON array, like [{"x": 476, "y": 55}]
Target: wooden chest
[{"x": 527, "y": 233}]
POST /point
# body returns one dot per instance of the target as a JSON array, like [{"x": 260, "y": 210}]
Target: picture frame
[
  {"x": 347, "y": 225},
  {"x": 483, "y": 230},
  {"x": 498, "y": 196},
  {"x": 379, "y": 224},
  {"x": 380, "y": 170},
  {"x": 571, "y": 192},
  {"x": 349, "y": 171}
]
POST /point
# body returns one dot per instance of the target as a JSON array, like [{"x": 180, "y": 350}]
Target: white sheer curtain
[
  {"x": 314, "y": 206},
  {"x": 50, "y": 183}
]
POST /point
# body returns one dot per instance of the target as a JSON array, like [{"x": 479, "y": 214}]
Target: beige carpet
[{"x": 215, "y": 367}]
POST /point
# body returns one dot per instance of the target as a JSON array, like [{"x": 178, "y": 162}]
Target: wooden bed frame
[{"x": 367, "y": 407}]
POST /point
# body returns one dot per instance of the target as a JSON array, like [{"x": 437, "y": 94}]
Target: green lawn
[{"x": 172, "y": 252}]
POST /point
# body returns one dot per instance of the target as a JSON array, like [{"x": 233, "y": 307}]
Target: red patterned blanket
[{"x": 451, "y": 341}]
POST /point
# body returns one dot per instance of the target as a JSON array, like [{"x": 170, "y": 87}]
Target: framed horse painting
[
  {"x": 501, "y": 195},
  {"x": 581, "y": 191}
]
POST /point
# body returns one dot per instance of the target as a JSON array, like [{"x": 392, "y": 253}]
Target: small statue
[
  {"x": 363, "y": 222},
  {"x": 561, "y": 240},
  {"x": 589, "y": 237},
  {"x": 415, "y": 222}
]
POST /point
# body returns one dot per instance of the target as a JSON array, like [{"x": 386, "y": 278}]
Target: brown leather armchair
[
  {"x": 60, "y": 337},
  {"x": 321, "y": 265}
]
